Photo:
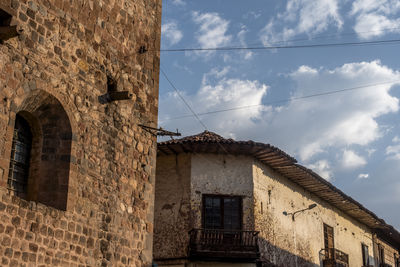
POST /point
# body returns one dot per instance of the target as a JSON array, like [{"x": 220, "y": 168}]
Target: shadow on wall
[{"x": 273, "y": 256}]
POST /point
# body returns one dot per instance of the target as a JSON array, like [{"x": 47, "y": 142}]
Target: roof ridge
[{"x": 205, "y": 136}]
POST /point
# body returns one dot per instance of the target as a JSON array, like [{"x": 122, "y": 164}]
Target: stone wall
[{"x": 92, "y": 171}]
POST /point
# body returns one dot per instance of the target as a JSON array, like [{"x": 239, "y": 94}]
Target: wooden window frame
[
  {"x": 326, "y": 226},
  {"x": 381, "y": 253},
  {"x": 222, "y": 197},
  {"x": 365, "y": 258}
]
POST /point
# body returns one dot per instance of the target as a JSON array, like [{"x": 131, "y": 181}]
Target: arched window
[
  {"x": 20, "y": 157},
  {"x": 41, "y": 151}
]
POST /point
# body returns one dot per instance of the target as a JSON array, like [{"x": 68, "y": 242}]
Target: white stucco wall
[
  {"x": 223, "y": 175},
  {"x": 282, "y": 237}
]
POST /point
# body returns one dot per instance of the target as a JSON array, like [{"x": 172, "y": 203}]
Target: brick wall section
[{"x": 66, "y": 51}]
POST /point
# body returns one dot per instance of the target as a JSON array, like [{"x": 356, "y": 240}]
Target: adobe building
[
  {"x": 221, "y": 202},
  {"x": 77, "y": 171}
]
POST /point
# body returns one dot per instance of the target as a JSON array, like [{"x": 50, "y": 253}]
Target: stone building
[
  {"x": 77, "y": 79},
  {"x": 221, "y": 202}
]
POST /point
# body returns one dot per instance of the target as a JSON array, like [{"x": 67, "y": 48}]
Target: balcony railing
[
  {"x": 224, "y": 244},
  {"x": 335, "y": 258}
]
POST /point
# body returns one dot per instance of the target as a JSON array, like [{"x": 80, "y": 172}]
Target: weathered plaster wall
[
  {"x": 388, "y": 250},
  {"x": 220, "y": 264},
  {"x": 211, "y": 264},
  {"x": 222, "y": 175},
  {"x": 66, "y": 50},
  {"x": 282, "y": 238},
  {"x": 172, "y": 206}
]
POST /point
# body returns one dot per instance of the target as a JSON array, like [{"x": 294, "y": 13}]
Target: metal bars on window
[
  {"x": 20, "y": 157},
  {"x": 222, "y": 212}
]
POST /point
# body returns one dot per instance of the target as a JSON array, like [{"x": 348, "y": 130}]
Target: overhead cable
[
  {"x": 227, "y": 48},
  {"x": 183, "y": 99},
  {"x": 284, "y": 100},
  {"x": 190, "y": 108}
]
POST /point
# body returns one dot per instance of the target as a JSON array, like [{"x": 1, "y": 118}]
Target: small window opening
[
  {"x": 5, "y": 18},
  {"x": 112, "y": 93},
  {"x": 111, "y": 84},
  {"x": 6, "y": 30},
  {"x": 365, "y": 254},
  {"x": 381, "y": 254},
  {"x": 20, "y": 157},
  {"x": 329, "y": 241}
]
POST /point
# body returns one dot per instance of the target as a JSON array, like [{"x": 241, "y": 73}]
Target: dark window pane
[
  {"x": 328, "y": 241},
  {"x": 222, "y": 212},
  {"x": 212, "y": 216},
  {"x": 365, "y": 254},
  {"x": 232, "y": 213}
]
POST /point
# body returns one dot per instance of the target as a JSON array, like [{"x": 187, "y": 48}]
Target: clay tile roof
[
  {"x": 209, "y": 142},
  {"x": 205, "y": 136}
]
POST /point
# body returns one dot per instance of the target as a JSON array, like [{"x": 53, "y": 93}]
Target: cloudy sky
[{"x": 334, "y": 108}]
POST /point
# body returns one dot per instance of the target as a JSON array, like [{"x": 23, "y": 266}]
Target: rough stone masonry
[{"x": 83, "y": 196}]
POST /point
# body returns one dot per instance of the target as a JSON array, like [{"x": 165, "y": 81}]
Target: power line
[
  {"x": 285, "y": 100},
  {"x": 323, "y": 36},
  {"x": 190, "y": 108},
  {"x": 182, "y": 98},
  {"x": 365, "y": 43}
]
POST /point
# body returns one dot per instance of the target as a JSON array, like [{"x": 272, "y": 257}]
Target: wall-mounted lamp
[{"x": 311, "y": 206}]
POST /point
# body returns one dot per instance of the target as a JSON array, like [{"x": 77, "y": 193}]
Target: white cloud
[
  {"x": 375, "y": 17},
  {"x": 252, "y": 14},
  {"x": 217, "y": 92},
  {"x": 171, "y": 32},
  {"x": 339, "y": 120},
  {"x": 363, "y": 176},
  {"x": 393, "y": 152},
  {"x": 396, "y": 139},
  {"x": 246, "y": 54},
  {"x": 351, "y": 160},
  {"x": 212, "y": 30},
  {"x": 215, "y": 73},
  {"x": 371, "y": 151},
  {"x": 178, "y": 2},
  {"x": 323, "y": 168},
  {"x": 307, "y": 128},
  {"x": 308, "y": 17}
]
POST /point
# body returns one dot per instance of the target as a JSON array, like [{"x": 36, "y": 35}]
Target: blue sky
[{"x": 351, "y": 138}]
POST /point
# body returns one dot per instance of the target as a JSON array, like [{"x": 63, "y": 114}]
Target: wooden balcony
[
  {"x": 223, "y": 245},
  {"x": 335, "y": 258}
]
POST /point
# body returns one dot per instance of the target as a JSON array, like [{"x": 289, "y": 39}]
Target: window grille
[
  {"x": 20, "y": 157},
  {"x": 222, "y": 212}
]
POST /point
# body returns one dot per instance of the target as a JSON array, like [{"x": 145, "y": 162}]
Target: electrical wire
[
  {"x": 284, "y": 100},
  {"x": 324, "y": 36},
  {"x": 190, "y": 108},
  {"x": 183, "y": 99},
  {"x": 364, "y": 43}
]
